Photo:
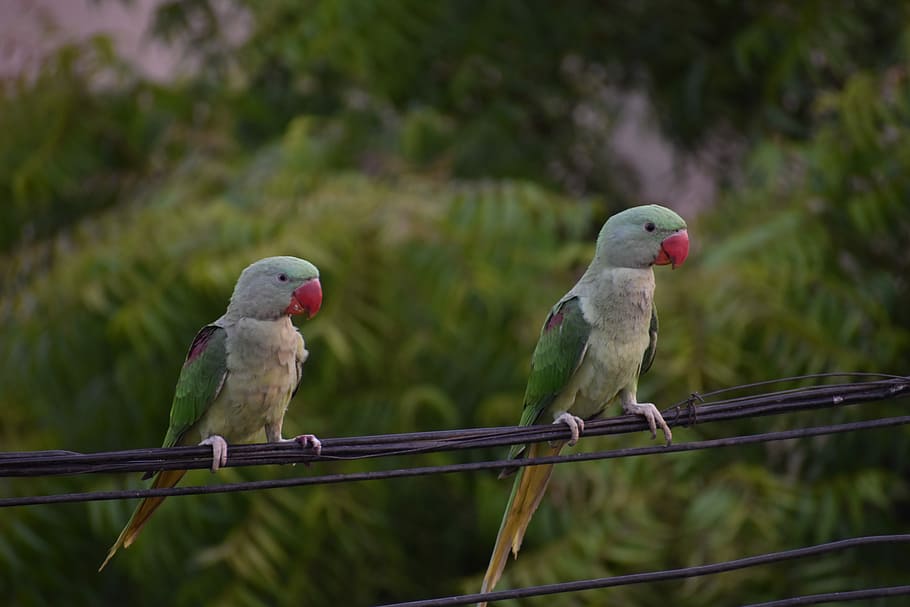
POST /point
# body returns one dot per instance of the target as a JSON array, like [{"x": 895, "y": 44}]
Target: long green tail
[
  {"x": 165, "y": 478},
  {"x": 527, "y": 491}
]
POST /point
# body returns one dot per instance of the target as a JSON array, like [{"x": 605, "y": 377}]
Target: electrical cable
[
  {"x": 684, "y": 413},
  {"x": 675, "y": 574}
]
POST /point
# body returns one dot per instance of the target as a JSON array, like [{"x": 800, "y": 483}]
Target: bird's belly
[
  {"x": 603, "y": 373},
  {"x": 262, "y": 375},
  {"x": 245, "y": 406},
  {"x": 256, "y": 404}
]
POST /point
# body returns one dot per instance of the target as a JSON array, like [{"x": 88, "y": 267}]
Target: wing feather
[
  {"x": 201, "y": 379},
  {"x": 560, "y": 349},
  {"x": 302, "y": 355},
  {"x": 651, "y": 350}
]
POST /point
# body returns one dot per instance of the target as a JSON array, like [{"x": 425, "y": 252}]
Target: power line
[
  {"x": 56, "y": 462},
  {"x": 824, "y": 375},
  {"x": 450, "y": 468},
  {"x": 684, "y": 413},
  {"x": 842, "y": 596},
  {"x": 686, "y": 572}
]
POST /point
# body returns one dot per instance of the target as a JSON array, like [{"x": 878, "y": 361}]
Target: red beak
[
  {"x": 306, "y": 298},
  {"x": 674, "y": 249}
]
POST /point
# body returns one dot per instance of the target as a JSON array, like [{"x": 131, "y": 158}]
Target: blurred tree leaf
[{"x": 333, "y": 132}]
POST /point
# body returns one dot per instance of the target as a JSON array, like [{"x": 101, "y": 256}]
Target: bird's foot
[
  {"x": 652, "y": 414},
  {"x": 575, "y": 424},
  {"x": 219, "y": 451},
  {"x": 307, "y": 440}
]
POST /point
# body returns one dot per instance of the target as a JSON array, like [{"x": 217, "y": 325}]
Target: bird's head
[
  {"x": 643, "y": 236},
  {"x": 277, "y": 286}
]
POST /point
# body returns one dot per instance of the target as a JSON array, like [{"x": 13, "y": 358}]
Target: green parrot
[
  {"x": 240, "y": 373},
  {"x": 595, "y": 342}
]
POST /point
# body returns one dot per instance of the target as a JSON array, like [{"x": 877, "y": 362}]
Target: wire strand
[
  {"x": 839, "y": 596},
  {"x": 449, "y": 468},
  {"x": 684, "y": 413},
  {"x": 671, "y": 574}
]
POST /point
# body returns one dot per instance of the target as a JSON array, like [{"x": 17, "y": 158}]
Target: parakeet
[
  {"x": 595, "y": 342},
  {"x": 240, "y": 373}
]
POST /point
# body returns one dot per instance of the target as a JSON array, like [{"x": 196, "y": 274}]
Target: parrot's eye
[
  {"x": 282, "y": 277},
  {"x": 649, "y": 227}
]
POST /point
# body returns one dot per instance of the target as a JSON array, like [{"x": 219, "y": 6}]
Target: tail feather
[
  {"x": 165, "y": 478},
  {"x": 527, "y": 491}
]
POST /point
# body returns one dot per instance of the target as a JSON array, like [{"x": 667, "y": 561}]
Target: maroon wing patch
[
  {"x": 555, "y": 320},
  {"x": 199, "y": 343}
]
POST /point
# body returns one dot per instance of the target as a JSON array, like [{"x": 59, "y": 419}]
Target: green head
[
  {"x": 641, "y": 237},
  {"x": 276, "y": 286}
]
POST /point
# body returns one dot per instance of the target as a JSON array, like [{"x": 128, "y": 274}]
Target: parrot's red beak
[
  {"x": 674, "y": 249},
  {"x": 306, "y": 298}
]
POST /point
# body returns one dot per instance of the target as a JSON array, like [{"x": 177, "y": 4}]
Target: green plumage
[
  {"x": 559, "y": 350},
  {"x": 240, "y": 372},
  {"x": 558, "y": 353},
  {"x": 651, "y": 351},
  {"x": 593, "y": 346},
  {"x": 200, "y": 381}
]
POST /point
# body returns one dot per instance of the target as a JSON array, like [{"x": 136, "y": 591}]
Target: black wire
[
  {"x": 781, "y": 380},
  {"x": 843, "y": 595},
  {"x": 661, "y": 576},
  {"x": 450, "y": 468},
  {"x": 62, "y": 462},
  {"x": 783, "y": 401}
]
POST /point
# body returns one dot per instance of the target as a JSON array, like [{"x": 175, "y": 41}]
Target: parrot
[
  {"x": 595, "y": 342},
  {"x": 240, "y": 373}
]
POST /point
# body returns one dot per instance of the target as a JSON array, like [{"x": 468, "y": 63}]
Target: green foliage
[
  {"x": 413, "y": 274},
  {"x": 530, "y": 89},
  {"x": 333, "y": 133},
  {"x": 83, "y": 133},
  {"x": 45, "y": 163},
  {"x": 797, "y": 272}
]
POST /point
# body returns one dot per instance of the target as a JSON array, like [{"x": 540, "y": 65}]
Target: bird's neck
[
  {"x": 235, "y": 314},
  {"x": 617, "y": 293},
  {"x": 252, "y": 341}
]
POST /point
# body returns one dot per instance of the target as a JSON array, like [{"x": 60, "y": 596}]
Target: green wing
[
  {"x": 557, "y": 355},
  {"x": 651, "y": 350},
  {"x": 200, "y": 381},
  {"x": 299, "y": 370}
]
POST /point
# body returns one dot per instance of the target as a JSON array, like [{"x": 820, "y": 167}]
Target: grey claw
[
  {"x": 219, "y": 451},
  {"x": 576, "y": 425},
  {"x": 310, "y": 440}
]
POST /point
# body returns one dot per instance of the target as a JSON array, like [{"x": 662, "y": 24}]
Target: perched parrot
[
  {"x": 595, "y": 342},
  {"x": 240, "y": 373}
]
